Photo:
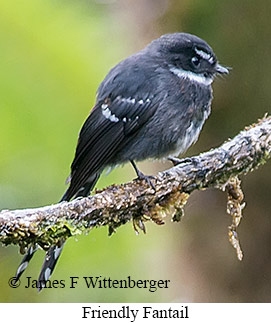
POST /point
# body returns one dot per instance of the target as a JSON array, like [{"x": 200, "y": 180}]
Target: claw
[
  {"x": 141, "y": 176},
  {"x": 146, "y": 178}
]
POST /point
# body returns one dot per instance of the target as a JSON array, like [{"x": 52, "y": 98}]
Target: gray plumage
[{"x": 151, "y": 105}]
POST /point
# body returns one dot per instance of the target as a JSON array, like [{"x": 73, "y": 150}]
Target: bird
[{"x": 151, "y": 105}]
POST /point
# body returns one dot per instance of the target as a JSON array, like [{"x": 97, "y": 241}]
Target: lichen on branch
[{"x": 137, "y": 201}]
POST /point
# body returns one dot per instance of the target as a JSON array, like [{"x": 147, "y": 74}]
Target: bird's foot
[
  {"x": 141, "y": 176},
  {"x": 146, "y": 178}
]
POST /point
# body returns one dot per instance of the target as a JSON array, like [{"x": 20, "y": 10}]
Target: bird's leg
[{"x": 141, "y": 176}]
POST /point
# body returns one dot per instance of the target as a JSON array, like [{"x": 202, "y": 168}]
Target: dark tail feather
[
  {"x": 26, "y": 259},
  {"x": 83, "y": 191},
  {"x": 54, "y": 252},
  {"x": 49, "y": 264}
]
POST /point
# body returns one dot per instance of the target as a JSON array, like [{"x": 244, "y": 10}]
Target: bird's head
[{"x": 187, "y": 55}]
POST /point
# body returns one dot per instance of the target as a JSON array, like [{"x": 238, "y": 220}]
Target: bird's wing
[{"x": 109, "y": 127}]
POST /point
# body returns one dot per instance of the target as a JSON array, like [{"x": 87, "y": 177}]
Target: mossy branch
[{"x": 119, "y": 204}]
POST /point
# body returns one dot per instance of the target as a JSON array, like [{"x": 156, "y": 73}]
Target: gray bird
[{"x": 153, "y": 104}]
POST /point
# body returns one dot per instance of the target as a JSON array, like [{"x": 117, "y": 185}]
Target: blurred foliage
[{"x": 54, "y": 54}]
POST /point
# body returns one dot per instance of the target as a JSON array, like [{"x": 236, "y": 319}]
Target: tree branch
[{"x": 137, "y": 201}]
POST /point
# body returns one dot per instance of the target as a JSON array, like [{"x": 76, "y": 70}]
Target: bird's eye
[{"x": 195, "y": 61}]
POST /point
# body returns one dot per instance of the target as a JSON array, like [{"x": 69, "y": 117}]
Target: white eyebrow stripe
[
  {"x": 198, "y": 78},
  {"x": 203, "y": 54}
]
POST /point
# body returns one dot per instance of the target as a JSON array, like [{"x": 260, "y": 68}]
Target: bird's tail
[
  {"x": 26, "y": 259},
  {"x": 54, "y": 252},
  {"x": 77, "y": 190},
  {"x": 49, "y": 264},
  {"x": 52, "y": 255}
]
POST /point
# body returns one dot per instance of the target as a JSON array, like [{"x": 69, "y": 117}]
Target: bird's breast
[
  {"x": 191, "y": 109},
  {"x": 190, "y": 135}
]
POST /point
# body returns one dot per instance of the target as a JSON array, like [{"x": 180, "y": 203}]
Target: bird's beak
[{"x": 221, "y": 69}]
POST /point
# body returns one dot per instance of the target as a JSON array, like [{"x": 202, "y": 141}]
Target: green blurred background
[{"x": 54, "y": 54}]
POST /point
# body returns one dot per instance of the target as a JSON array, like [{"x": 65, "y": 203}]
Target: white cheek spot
[
  {"x": 124, "y": 119},
  {"x": 197, "y": 78},
  {"x": 141, "y": 101}
]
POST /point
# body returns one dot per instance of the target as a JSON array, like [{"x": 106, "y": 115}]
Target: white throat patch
[{"x": 198, "y": 78}]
